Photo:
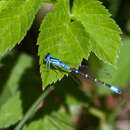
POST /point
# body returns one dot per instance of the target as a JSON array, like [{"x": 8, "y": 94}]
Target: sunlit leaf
[
  {"x": 16, "y": 17},
  {"x": 103, "y": 31},
  {"x": 63, "y": 39}
]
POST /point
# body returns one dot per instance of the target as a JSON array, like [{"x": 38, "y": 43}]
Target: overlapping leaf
[
  {"x": 16, "y": 17},
  {"x": 103, "y": 31},
  {"x": 62, "y": 38},
  {"x": 70, "y": 37}
]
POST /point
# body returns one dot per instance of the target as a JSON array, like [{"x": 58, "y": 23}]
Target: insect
[{"x": 58, "y": 63}]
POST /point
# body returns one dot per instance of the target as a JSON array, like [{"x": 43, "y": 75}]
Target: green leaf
[
  {"x": 50, "y": 118},
  {"x": 11, "y": 111},
  {"x": 122, "y": 73},
  {"x": 16, "y": 17},
  {"x": 119, "y": 75},
  {"x": 64, "y": 39},
  {"x": 10, "y": 102},
  {"x": 58, "y": 108},
  {"x": 103, "y": 31},
  {"x": 58, "y": 120},
  {"x": 71, "y": 37}
]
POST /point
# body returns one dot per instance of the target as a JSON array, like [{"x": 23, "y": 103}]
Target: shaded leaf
[
  {"x": 58, "y": 120},
  {"x": 59, "y": 107},
  {"x": 11, "y": 111},
  {"x": 120, "y": 74},
  {"x": 10, "y": 102}
]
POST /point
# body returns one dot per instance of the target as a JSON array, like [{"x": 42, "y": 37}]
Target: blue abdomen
[{"x": 64, "y": 66}]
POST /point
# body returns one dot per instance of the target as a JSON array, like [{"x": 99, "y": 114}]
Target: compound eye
[{"x": 48, "y": 55}]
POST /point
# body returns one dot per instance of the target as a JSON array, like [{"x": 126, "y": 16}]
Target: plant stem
[{"x": 46, "y": 91}]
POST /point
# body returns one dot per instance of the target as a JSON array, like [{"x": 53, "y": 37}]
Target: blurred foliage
[
  {"x": 20, "y": 86},
  {"x": 120, "y": 74}
]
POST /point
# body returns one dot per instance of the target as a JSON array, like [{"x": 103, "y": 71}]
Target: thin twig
[{"x": 46, "y": 91}]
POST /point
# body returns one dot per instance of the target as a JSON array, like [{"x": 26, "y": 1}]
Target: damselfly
[{"x": 58, "y": 63}]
